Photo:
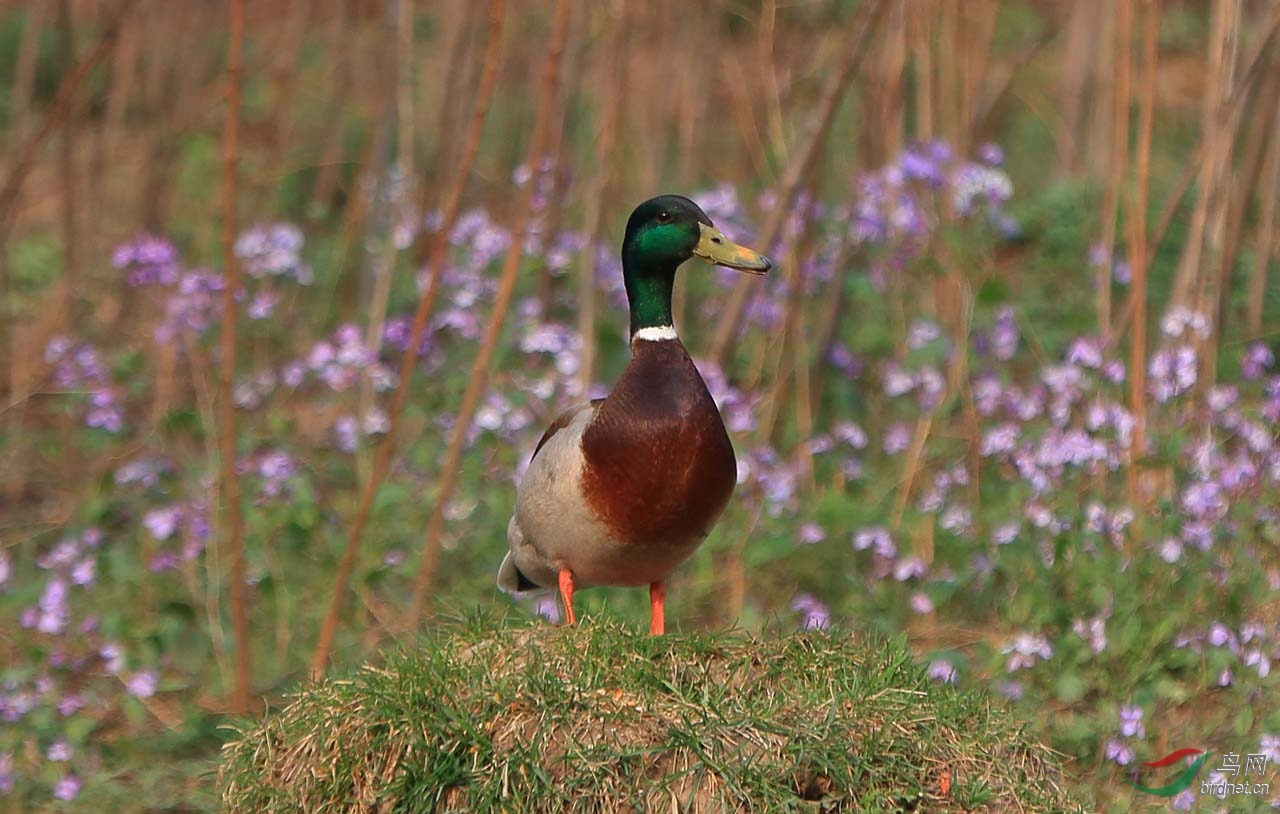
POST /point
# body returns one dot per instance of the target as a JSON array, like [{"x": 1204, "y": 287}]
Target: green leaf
[
  {"x": 1070, "y": 687},
  {"x": 994, "y": 292},
  {"x": 1244, "y": 721}
]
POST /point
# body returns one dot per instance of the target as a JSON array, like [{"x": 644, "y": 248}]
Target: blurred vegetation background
[{"x": 288, "y": 490}]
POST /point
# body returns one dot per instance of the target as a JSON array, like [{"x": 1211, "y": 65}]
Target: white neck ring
[{"x": 655, "y": 333}]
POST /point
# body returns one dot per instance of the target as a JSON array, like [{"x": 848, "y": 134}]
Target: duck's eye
[{"x": 664, "y": 217}]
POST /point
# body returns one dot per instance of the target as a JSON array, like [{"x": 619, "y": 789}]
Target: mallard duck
[{"x": 621, "y": 490}]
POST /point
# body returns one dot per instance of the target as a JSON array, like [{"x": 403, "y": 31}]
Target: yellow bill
[{"x": 715, "y": 248}]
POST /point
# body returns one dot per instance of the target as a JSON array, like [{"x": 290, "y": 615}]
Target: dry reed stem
[
  {"x": 699, "y": 62},
  {"x": 24, "y": 69},
  {"x": 457, "y": 79},
  {"x": 124, "y": 76},
  {"x": 212, "y": 584},
  {"x": 918, "y": 26},
  {"x": 23, "y": 156},
  {"x": 233, "y": 522},
  {"x": 1208, "y": 292},
  {"x": 284, "y": 80},
  {"x": 950, "y": 61},
  {"x": 613, "y": 91},
  {"x": 976, "y": 67},
  {"x": 768, "y": 67},
  {"x": 798, "y": 168},
  {"x": 1117, "y": 163},
  {"x": 69, "y": 179},
  {"x": 915, "y": 460},
  {"x": 1078, "y": 58},
  {"x": 478, "y": 379},
  {"x": 744, "y": 111},
  {"x": 20, "y": 162},
  {"x": 791, "y": 335},
  {"x": 1137, "y": 240},
  {"x": 1261, "y": 120},
  {"x": 329, "y": 176},
  {"x": 382, "y": 458},
  {"x": 1265, "y": 244},
  {"x": 385, "y": 255},
  {"x": 1218, "y": 137},
  {"x": 828, "y": 322}
]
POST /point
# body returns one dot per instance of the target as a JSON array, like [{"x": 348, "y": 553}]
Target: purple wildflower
[
  {"x": 1093, "y": 631},
  {"x": 1270, "y": 746},
  {"x": 273, "y": 250},
  {"x": 263, "y": 304},
  {"x": 909, "y": 568},
  {"x": 67, "y": 787},
  {"x": 1131, "y": 722},
  {"x": 1005, "y": 336},
  {"x": 1257, "y": 360},
  {"x": 1182, "y": 321},
  {"x": 1025, "y": 650},
  {"x": 1119, "y": 752},
  {"x": 163, "y": 522},
  {"x": 142, "y": 684},
  {"x": 897, "y": 438},
  {"x": 112, "y": 657},
  {"x": 810, "y": 533},
  {"x": 921, "y": 603},
  {"x": 815, "y": 614},
  {"x": 877, "y": 539},
  {"x": 991, "y": 153},
  {"x": 547, "y": 608},
  {"x": 942, "y": 671},
  {"x": 148, "y": 259}
]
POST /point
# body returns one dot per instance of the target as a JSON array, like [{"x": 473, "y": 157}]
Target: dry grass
[{"x": 601, "y": 719}]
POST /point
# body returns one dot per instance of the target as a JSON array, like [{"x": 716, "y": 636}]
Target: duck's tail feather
[{"x": 511, "y": 580}]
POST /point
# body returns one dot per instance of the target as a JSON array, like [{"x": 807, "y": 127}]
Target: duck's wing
[
  {"x": 565, "y": 419},
  {"x": 511, "y": 579}
]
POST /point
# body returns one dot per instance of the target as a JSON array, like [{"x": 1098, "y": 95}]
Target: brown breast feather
[{"x": 659, "y": 464}]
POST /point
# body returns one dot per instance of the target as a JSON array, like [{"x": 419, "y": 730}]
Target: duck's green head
[{"x": 662, "y": 233}]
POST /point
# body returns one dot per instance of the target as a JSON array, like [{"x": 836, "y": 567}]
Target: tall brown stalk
[
  {"x": 458, "y": 79},
  {"x": 798, "y": 168},
  {"x": 920, "y": 29},
  {"x": 383, "y": 258},
  {"x": 1117, "y": 169},
  {"x": 233, "y": 524},
  {"x": 24, "y": 70},
  {"x": 69, "y": 178},
  {"x": 22, "y": 157},
  {"x": 20, "y": 160},
  {"x": 284, "y": 69},
  {"x": 1218, "y": 135},
  {"x": 339, "y": 90},
  {"x": 1137, "y": 240},
  {"x": 1075, "y": 69},
  {"x": 478, "y": 379},
  {"x": 435, "y": 265},
  {"x": 611, "y": 91},
  {"x": 111, "y": 133},
  {"x": 980, "y": 28},
  {"x": 1248, "y": 176},
  {"x": 1265, "y": 244}
]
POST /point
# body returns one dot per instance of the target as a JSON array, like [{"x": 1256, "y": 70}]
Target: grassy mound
[{"x": 604, "y": 719}]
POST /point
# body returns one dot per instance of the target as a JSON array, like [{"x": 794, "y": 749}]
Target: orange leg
[
  {"x": 657, "y": 607},
  {"x": 566, "y": 593}
]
